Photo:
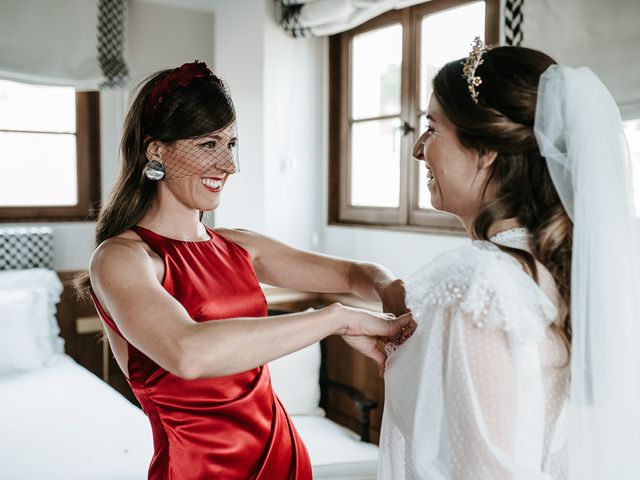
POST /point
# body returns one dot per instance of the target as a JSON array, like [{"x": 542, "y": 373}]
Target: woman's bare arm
[
  {"x": 125, "y": 282},
  {"x": 280, "y": 265}
]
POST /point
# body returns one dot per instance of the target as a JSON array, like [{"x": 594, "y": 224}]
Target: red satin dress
[{"x": 225, "y": 428}]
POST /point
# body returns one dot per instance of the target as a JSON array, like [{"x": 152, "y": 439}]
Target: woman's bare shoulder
[
  {"x": 247, "y": 239},
  {"x": 237, "y": 235},
  {"x": 125, "y": 252}
]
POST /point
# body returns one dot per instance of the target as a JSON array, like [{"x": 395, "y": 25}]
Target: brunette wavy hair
[
  {"x": 502, "y": 121},
  {"x": 202, "y": 106}
]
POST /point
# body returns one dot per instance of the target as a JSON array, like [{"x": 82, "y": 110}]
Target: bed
[{"x": 58, "y": 421}]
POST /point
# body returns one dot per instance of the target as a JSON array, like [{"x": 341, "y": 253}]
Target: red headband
[{"x": 182, "y": 76}]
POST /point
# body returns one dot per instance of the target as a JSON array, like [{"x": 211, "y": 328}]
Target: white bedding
[{"x": 61, "y": 422}]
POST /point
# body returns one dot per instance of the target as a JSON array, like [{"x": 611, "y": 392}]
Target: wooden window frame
[
  {"x": 88, "y": 171},
  {"x": 408, "y": 216}
]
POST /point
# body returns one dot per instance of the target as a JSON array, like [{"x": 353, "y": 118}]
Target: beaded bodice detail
[{"x": 488, "y": 284}]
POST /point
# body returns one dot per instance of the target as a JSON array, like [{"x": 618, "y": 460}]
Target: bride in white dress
[{"x": 481, "y": 390}]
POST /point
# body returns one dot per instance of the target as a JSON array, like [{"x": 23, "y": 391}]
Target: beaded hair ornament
[
  {"x": 212, "y": 155},
  {"x": 473, "y": 61}
]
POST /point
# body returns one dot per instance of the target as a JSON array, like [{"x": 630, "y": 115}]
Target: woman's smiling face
[
  {"x": 456, "y": 175},
  {"x": 197, "y": 168}
]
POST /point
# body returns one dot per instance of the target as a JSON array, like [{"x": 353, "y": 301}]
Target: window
[
  {"x": 379, "y": 93},
  {"x": 49, "y": 152}
]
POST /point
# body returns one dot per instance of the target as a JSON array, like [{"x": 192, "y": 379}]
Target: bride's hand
[{"x": 365, "y": 327}]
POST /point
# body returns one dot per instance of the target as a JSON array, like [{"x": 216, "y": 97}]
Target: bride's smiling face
[{"x": 456, "y": 175}]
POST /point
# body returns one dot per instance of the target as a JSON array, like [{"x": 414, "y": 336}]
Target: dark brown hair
[
  {"x": 202, "y": 107},
  {"x": 502, "y": 121}
]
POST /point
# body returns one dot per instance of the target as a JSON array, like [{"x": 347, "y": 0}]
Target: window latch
[{"x": 405, "y": 128}]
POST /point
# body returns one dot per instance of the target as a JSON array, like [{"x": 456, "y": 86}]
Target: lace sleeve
[
  {"x": 479, "y": 400},
  {"x": 489, "y": 286},
  {"x": 465, "y": 395}
]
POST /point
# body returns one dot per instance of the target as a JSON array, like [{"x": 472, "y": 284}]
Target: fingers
[
  {"x": 390, "y": 329},
  {"x": 399, "y": 325},
  {"x": 380, "y": 358},
  {"x": 406, "y": 319},
  {"x": 406, "y": 333},
  {"x": 407, "y": 326},
  {"x": 368, "y": 346}
]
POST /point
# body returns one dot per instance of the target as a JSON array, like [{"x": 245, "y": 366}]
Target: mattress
[{"x": 61, "y": 422}]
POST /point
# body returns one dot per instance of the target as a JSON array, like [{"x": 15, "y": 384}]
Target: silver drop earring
[{"x": 154, "y": 170}]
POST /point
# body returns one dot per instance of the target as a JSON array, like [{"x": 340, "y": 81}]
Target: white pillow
[
  {"x": 296, "y": 380},
  {"x": 21, "y": 310},
  {"x": 43, "y": 282}
]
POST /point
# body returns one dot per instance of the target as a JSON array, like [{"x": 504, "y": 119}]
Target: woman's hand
[
  {"x": 393, "y": 301},
  {"x": 364, "y": 328},
  {"x": 392, "y": 297}
]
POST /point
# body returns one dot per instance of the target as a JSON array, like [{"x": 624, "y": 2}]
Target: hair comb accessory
[
  {"x": 182, "y": 76},
  {"x": 473, "y": 61}
]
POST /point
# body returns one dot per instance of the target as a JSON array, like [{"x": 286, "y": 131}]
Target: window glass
[
  {"x": 38, "y": 156},
  {"x": 376, "y": 74},
  {"x": 375, "y": 163},
  {"x": 443, "y": 41},
  {"x": 36, "y": 108},
  {"x": 38, "y": 170}
]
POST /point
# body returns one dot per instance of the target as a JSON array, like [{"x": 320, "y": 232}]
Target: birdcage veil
[{"x": 189, "y": 125}]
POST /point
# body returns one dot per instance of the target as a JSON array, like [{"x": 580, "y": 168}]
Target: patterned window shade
[
  {"x": 318, "y": 18},
  {"x": 111, "y": 18},
  {"x": 76, "y": 43},
  {"x": 26, "y": 247},
  {"x": 513, "y": 23}
]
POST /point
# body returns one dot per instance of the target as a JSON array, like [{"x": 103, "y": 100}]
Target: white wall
[
  {"x": 294, "y": 135},
  {"x": 239, "y": 59},
  {"x": 279, "y": 85},
  {"x": 162, "y": 37},
  {"x": 403, "y": 253},
  {"x": 275, "y": 81},
  {"x": 72, "y": 243},
  {"x": 604, "y": 36}
]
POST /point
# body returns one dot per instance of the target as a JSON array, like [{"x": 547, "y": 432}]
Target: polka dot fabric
[{"x": 477, "y": 392}]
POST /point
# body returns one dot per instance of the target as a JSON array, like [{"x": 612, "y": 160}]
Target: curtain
[
  {"x": 317, "y": 18},
  {"x": 513, "y": 22},
  {"x": 603, "y": 36},
  {"x": 77, "y": 43}
]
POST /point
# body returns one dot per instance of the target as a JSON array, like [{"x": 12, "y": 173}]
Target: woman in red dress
[{"x": 181, "y": 303}]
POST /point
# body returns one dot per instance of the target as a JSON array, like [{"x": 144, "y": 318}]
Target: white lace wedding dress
[{"x": 477, "y": 392}]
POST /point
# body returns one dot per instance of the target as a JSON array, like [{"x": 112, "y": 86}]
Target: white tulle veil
[{"x": 579, "y": 131}]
